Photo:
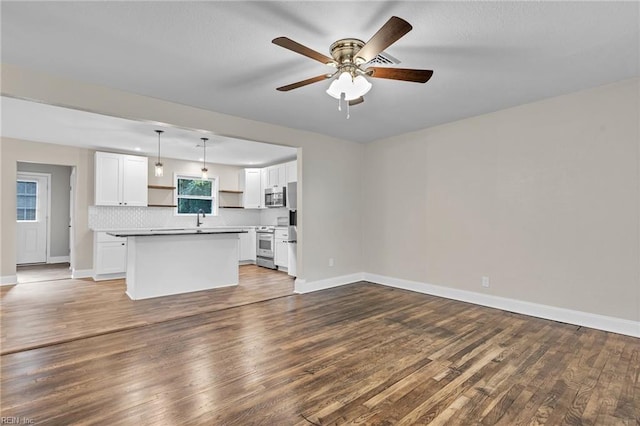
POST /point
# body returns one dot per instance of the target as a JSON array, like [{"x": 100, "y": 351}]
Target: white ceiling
[
  {"x": 39, "y": 122},
  {"x": 486, "y": 56}
]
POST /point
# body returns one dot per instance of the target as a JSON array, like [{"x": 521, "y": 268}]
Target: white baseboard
[
  {"x": 81, "y": 273},
  {"x": 58, "y": 259},
  {"x": 8, "y": 279},
  {"x": 586, "y": 319},
  {"x": 106, "y": 277},
  {"x": 302, "y": 286}
]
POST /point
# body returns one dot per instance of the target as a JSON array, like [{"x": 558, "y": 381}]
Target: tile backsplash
[
  {"x": 270, "y": 216},
  {"x": 107, "y": 217}
]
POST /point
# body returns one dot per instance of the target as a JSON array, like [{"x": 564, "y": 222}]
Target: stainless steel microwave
[{"x": 275, "y": 197}]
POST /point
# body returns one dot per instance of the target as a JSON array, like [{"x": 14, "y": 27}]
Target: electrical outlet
[
  {"x": 485, "y": 282},
  {"x": 331, "y": 261}
]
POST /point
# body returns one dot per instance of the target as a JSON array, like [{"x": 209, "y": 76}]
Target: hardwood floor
[
  {"x": 45, "y": 313},
  {"x": 361, "y": 353},
  {"x": 44, "y": 272}
]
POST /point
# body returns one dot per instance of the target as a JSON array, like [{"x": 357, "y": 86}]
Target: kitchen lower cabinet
[
  {"x": 247, "y": 246},
  {"x": 110, "y": 256},
  {"x": 281, "y": 257}
]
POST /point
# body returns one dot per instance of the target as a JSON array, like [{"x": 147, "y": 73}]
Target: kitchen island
[{"x": 163, "y": 262}]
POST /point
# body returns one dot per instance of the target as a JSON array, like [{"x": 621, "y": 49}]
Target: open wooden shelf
[
  {"x": 160, "y": 187},
  {"x": 161, "y": 205},
  {"x": 228, "y": 191}
]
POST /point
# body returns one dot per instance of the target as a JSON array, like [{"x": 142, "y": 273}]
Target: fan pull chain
[{"x": 348, "y": 105}]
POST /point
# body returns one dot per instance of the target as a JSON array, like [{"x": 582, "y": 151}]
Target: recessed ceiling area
[
  {"x": 39, "y": 122},
  {"x": 218, "y": 55}
]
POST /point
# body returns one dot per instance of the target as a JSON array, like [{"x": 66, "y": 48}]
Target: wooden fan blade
[
  {"x": 404, "y": 74},
  {"x": 390, "y": 32},
  {"x": 303, "y": 83},
  {"x": 356, "y": 101},
  {"x": 287, "y": 43}
]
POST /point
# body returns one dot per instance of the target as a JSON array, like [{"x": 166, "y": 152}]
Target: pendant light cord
[{"x": 204, "y": 156}]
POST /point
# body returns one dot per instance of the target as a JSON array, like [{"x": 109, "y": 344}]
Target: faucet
[{"x": 198, "y": 223}]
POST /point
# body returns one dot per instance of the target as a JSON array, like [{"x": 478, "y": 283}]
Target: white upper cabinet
[
  {"x": 120, "y": 180},
  {"x": 108, "y": 174},
  {"x": 276, "y": 176},
  {"x": 253, "y": 182},
  {"x": 251, "y": 187},
  {"x": 282, "y": 175},
  {"x": 135, "y": 191},
  {"x": 292, "y": 171},
  {"x": 273, "y": 176}
]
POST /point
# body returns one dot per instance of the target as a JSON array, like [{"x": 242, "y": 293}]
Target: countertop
[
  {"x": 176, "y": 231},
  {"x": 169, "y": 228}
]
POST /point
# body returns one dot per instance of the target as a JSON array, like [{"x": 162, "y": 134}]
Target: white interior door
[{"x": 32, "y": 204}]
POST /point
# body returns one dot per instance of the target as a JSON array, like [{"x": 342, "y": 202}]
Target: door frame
[
  {"x": 47, "y": 176},
  {"x": 72, "y": 216}
]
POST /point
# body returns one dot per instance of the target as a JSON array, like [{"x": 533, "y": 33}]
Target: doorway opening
[{"x": 43, "y": 222}]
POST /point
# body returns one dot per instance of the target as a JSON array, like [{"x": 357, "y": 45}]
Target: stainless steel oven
[{"x": 265, "y": 246}]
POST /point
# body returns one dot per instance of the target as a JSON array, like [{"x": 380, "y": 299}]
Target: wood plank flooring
[
  {"x": 44, "y": 313},
  {"x": 44, "y": 272},
  {"x": 358, "y": 354}
]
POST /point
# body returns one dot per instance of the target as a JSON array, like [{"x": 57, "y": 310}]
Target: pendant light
[
  {"x": 159, "y": 168},
  {"x": 205, "y": 171}
]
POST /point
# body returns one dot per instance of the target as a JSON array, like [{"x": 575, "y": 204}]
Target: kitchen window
[{"x": 194, "y": 194}]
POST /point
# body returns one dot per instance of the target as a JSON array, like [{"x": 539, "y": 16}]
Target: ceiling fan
[{"x": 350, "y": 57}]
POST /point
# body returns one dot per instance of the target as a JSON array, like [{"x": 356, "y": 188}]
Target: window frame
[{"x": 214, "y": 193}]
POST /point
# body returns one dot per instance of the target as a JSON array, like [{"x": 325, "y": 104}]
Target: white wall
[
  {"x": 59, "y": 214},
  {"x": 542, "y": 198},
  {"x": 329, "y": 186}
]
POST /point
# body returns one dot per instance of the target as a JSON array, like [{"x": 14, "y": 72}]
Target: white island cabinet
[
  {"x": 120, "y": 180},
  {"x": 162, "y": 263}
]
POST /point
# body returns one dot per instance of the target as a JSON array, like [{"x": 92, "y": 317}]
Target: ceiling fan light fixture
[
  {"x": 159, "y": 170},
  {"x": 353, "y": 88}
]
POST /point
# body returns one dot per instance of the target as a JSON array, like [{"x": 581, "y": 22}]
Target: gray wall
[
  {"x": 542, "y": 198},
  {"x": 60, "y": 176}
]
